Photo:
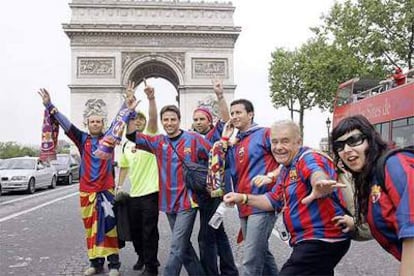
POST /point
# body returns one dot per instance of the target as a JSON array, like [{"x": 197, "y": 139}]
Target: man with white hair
[{"x": 305, "y": 179}]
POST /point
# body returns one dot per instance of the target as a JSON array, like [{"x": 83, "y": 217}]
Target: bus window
[
  {"x": 403, "y": 132},
  {"x": 384, "y": 130}
]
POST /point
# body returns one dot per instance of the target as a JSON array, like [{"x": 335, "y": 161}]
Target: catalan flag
[{"x": 100, "y": 224}]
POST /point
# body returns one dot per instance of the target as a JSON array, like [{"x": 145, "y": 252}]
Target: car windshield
[
  {"x": 61, "y": 159},
  {"x": 18, "y": 164}
]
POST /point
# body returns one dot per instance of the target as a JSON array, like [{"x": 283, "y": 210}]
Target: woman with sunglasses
[{"x": 387, "y": 207}]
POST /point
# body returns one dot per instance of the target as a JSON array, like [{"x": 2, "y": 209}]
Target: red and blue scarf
[{"x": 50, "y": 132}]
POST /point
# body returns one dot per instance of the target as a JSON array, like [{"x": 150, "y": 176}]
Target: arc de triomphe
[{"x": 113, "y": 41}]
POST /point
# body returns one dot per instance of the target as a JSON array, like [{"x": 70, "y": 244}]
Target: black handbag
[{"x": 195, "y": 175}]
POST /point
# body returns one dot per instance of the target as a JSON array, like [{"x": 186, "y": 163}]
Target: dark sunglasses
[{"x": 352, "y": 141}]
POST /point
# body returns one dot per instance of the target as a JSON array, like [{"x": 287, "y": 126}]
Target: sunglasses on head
[{"x": 352, "y": 141}]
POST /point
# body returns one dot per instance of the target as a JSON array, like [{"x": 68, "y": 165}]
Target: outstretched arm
[
  {"x": 258, "y": 201},
  {"x": 222, "y": 104},
  {"x": 152, "y": 111},
  {"x": 321, "y": 186}
]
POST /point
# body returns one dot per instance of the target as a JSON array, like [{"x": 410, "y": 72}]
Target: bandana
[{"x": 206, "y": 112}]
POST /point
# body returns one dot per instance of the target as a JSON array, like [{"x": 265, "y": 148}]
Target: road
[{"x": 42, "y": 234}]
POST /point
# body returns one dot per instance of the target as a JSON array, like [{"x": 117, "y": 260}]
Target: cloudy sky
[{"x": 35, "y": 52}]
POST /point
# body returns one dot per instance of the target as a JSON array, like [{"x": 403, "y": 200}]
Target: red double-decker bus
[{"x": 388, "y": 107}]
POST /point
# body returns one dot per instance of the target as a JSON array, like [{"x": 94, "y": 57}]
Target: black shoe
[
  {"x": 139, "y": 265},
  {"x": 150, "y": 272}
]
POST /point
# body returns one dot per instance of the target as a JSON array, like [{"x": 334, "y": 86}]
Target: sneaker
[
  {"x": 92, "y": 271},
  {"x": 114, "y": 272},
  {"x": 139, "y": 265}
]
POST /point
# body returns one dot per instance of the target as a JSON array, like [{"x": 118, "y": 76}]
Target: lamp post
[{"x": 328, "y": 125}]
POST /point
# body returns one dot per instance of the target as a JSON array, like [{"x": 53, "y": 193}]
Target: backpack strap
[{"x": 380, "y": 166}]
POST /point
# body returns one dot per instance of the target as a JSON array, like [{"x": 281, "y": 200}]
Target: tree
[
  {"x": 12, "y": 149},
  {"x": 378, "y": 31}
]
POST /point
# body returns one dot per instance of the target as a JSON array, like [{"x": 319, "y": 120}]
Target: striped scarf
[
  {"x": 50, "y": 132},
  {"x": 216, "y": 164},
  {"x": 113, "y": 135}
]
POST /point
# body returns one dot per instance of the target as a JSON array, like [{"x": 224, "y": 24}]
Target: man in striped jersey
[
  {"x": 318, "y": 244},
  {"x": 249, "y": 156},
  {"x": 213, "y": 242},
  {"x": 175, "y": 199},
  {"x": 96, "y": 187}
]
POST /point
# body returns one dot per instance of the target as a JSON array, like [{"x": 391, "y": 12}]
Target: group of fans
[{"x": 268, "y": 173}]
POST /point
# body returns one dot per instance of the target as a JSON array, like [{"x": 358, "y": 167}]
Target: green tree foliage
[
  {"x": 308, "y": 77},
  {"x": 380, "y": 32},
  {"x": 12, "y": 149}
]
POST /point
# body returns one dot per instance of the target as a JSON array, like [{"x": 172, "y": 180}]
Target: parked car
[
  {"x": 26, "y": 174},
  {"x": 67, "y": 168}
]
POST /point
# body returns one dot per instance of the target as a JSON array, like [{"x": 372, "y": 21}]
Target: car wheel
[
  {"x": 31, "y": 186},
  {"x": 53, "y": 183},
  {"x": 70, "y": 179}
]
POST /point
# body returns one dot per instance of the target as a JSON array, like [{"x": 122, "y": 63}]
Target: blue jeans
[
  {"x": 182, "y": 251},
  {"x": 213, "y": 243},
  {"x": 257, "y": 259}
]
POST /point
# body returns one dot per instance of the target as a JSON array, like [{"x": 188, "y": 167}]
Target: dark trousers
[
  {"x": 213, "y": 243},
  {"x": 113, "y": 262},
  {"x": 315, "y": 257},
  {"x": 143, "y": 219}
]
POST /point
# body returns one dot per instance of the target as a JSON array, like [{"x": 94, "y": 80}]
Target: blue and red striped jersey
[
  {"x": 391, "y": 212},
  {"x": 191, "y": 146},
  {"x": 250, "y": 156},
  {"x": 95, "y": 174},
  {"x": 215, "y": 133},
  {"x": 313, "y": 221}
]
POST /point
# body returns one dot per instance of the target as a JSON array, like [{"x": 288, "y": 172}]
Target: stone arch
[
  {"x": 153, "y": 66},
  {"x": 185, "y": 42}
]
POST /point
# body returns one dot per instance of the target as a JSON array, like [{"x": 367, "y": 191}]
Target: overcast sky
[{"x": 35, "y": 52}]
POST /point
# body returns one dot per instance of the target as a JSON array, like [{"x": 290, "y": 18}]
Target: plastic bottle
[{"x": 218, "y": 216}]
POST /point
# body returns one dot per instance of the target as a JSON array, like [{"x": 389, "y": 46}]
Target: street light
[{"x": 328, "y": 125}]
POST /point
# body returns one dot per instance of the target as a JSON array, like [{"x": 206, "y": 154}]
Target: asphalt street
[{"x": 42, "y": 234}]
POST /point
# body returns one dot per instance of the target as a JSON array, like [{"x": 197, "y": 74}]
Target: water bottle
[{"x": 218, "y": 216}]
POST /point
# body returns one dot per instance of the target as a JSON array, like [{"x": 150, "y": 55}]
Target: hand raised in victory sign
[
  {"x": 130, "y": 91},
  {"x": 45, "y": 96},
  {"x": 130, "y": 99}
]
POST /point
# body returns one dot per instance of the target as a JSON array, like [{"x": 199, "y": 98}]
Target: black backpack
[{"x": 380, "y": 166}]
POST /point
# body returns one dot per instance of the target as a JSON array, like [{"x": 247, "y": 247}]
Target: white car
[{"x": 26, "y": 174}]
